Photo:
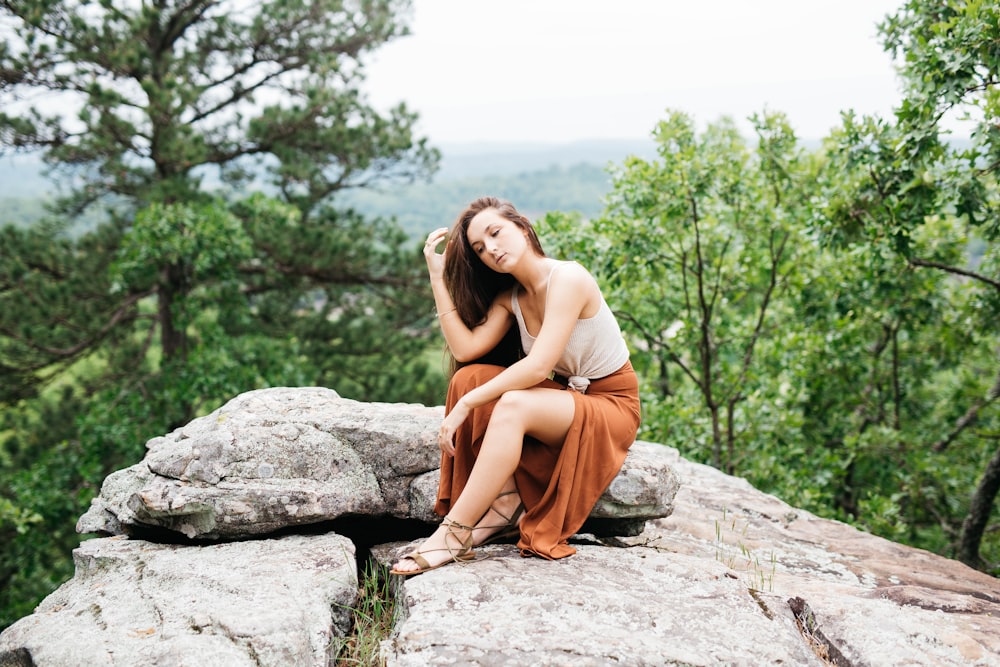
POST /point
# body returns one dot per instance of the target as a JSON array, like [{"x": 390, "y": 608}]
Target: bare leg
[{"x": 545, "y": 414}]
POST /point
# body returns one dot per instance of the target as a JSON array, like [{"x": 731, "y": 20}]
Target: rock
[
  {"x": 276, "y": 602},
  {"x": 720, "y": 574},
  {"x": 734, "y": 576},
  {"x": 278, "y": 458},
  {"x": 602, "y": 606},
  {"x": 874, "y": 601}
]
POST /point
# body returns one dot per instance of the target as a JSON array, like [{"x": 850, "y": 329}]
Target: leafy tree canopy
[{"x": 183, "y": 298}]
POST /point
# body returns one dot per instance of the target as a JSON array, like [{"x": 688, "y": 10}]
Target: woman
[{"x": 528, "y": 444}]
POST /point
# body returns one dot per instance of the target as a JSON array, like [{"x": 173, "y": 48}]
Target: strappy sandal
[
  {"x": 460, "y": 555},
  {"x": 510, "y": 528}
]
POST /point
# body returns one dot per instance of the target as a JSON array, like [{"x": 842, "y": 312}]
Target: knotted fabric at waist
[{"x": 574, "y": 382}]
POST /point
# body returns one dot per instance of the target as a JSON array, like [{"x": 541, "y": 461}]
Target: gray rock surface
[
  {"x": 603, "y": 606},
  {"x": 733, "y": 577},
  {"x": 726, "y": 575},
  {"x": 132, "y": 603},
  {"x": 278, "y": 458}
]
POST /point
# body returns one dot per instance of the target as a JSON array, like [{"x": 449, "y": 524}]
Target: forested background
[{"x": 225, "y": 212}]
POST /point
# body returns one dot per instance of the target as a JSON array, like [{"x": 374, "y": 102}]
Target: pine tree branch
[
  {"x": 320, "y": 275},
  {"x": 74, "y": 350}
]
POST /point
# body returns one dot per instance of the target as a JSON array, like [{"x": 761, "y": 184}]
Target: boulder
[
  {"x": 273, "y": 459},
  {"x": 720, "y": 574},
  {"x": 733, "y": 577},
  {"x": 603, "y": 606},
  {"x": 284, "y": 601}
]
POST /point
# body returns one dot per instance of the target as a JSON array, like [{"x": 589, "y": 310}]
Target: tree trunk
[
  {"x": 731, "y": 437},
  {"x": 172, "y": 338},
  {"x": 716, "y": 437},
  {"x": 979, "y": 514}
]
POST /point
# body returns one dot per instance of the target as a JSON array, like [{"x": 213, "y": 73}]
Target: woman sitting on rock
[{"x": 532, "y": 439}]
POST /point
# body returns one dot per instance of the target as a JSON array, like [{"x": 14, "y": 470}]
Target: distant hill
[
  {"x": 460, "y": 161},
  {"x": 21, "y": 176},
  {"x": 536, "y": 177},
  {"x": 421, "y": 207}
]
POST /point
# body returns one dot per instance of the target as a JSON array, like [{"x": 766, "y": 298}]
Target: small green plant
[
  {"x": 374, "y": 616},
  {"x": 757, "y": 576}
]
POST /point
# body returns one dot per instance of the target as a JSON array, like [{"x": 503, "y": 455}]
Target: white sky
[{"x": 567, "y": 70}]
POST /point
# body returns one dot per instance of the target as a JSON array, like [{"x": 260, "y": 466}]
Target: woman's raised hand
[{"x": 435, "y": 260}]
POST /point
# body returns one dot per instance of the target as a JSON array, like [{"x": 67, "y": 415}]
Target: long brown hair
[{"x": 474, "y": 286}]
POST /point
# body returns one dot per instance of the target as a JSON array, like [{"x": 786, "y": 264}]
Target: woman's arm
[
  {"x": 464, "y": 343},
  {"x": 468, "y": 344},
  {"x": 570, "y": 292},
  {"x": 568, "y": 297}
]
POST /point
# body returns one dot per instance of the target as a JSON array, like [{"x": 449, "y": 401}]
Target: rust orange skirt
[{"x": 558, "y": 485}]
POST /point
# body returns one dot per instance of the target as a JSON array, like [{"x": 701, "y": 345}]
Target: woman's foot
[
  {"x": 452, "y": 541},
  {"x": 501, "y": 519}
]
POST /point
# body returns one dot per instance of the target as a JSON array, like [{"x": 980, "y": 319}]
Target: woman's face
[{"x": 497, "y": 241}]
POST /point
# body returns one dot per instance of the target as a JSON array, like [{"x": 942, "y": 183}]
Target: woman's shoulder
[
  {"x": 572, "y": 282},
  {"x": 573, "y": 274}
]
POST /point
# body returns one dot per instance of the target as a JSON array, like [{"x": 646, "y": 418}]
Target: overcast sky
[{"x": 567, "y": 70}]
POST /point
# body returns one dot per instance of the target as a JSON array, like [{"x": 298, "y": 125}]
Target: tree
[
  {"x": 906, "y": 178},
  {"x": 164, "y": 114},
  {"x": 779, "y": 338},
  {"x": 695, "y": 249},
  {"x": 165, "y": 90}
]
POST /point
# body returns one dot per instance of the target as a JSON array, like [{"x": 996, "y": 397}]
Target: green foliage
[
  {"x": 792, "y": 324},
  {"x": 41, "y": 494},
  {"x": 56, "y": 305},
  {"x": 207, "y": 239},
  {"x": 178, "y": 300},
  {"x": 695, "y": 248},
  {"x": 374, "y": 618},
  {"x": 916, "y": 204},
  {"x": 164, "y": 89}
]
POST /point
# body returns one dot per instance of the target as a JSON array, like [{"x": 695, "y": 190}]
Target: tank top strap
[
  {"x": 548, "y": 281},
  {"x": 553, "y": 270},
  {"x": 516, "y": 307}
]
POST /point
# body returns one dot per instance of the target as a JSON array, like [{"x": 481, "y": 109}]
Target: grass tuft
[
  {"x": 757, "y": 575},
  {"x": 374, "y": 617}
]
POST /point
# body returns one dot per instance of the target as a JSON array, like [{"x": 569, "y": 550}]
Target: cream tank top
[{"x": 596, "y": 347}]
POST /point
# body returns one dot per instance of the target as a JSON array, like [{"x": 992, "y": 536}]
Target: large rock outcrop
[
  {"x": 227, "y": 554},
  {"x": 733, "y": 577},
  {"x": 278, "y": 458},
  {"x": 283, "y": 601}
]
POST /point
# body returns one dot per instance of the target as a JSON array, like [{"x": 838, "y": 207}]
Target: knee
[{"x": 512, "y": 406}]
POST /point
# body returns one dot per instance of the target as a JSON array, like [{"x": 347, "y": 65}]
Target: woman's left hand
[
  {"x": 451, "y": 423},
  {"x": 435, "y": 260}
]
